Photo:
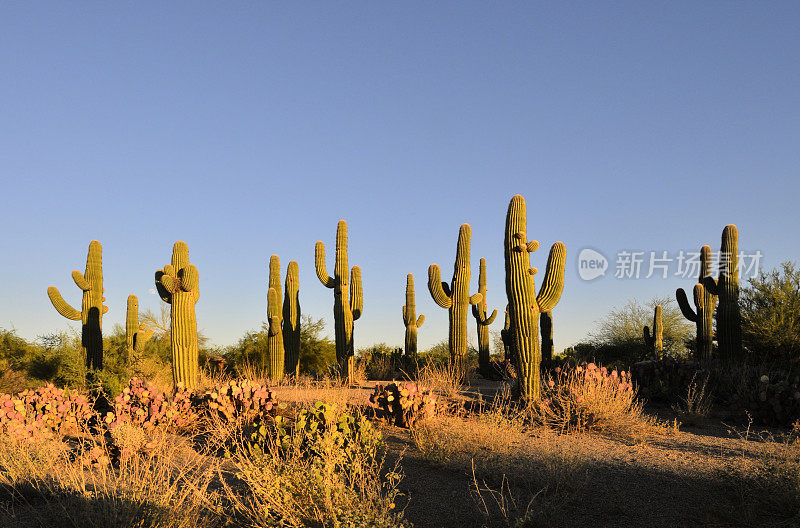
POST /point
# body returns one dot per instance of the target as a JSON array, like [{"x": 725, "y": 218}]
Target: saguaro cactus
[
  {"x": 275, "y": 353},
  {"x": 136, "y": 334},
  {"x": 505, "y": 336},
  {"x": 546, "y": 327},
  {"x": 726, "y": 288},
  {"x": 455, "y": 296},
  {"x": 704, "y": 302},
  {"x": 524, "y": 305},
  {"x": 483, "y": 322},
  {"x": 346, "y": 309},
  {"x": 410, "y": 318},
  {"x": 178, "y": 285},
  {"x": 92, "y": 308},
  {"x": 291, "y": 320},
  {"x": 655, "y": 342}
]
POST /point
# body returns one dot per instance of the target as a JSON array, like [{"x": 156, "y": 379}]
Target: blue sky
[{"x": 250, "y": 128}]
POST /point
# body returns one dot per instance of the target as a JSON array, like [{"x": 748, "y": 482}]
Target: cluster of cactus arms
[
  {"x": 275, "y": 353},
  {"x": 524, "y": 305},
  {"x": 136, "y": 334},
  {"x": 704, "y": 303},
  {"x": 455, "y": 296},
  {"x": 291, "y": 320},
  {"x": 178, "y": 285},
  {"x": 726, "y": 288},
  {"x": 479, "y": 313},
  {"x": 410, "y": 318},
  {"x": 92, "y": 308},
  {"x": 655, "y": 341},
  {"x": 546, "y": 327},
  {"x": 348, "y": 300}
]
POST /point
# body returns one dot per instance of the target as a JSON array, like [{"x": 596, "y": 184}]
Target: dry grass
[{"x": 446, "y": 379}]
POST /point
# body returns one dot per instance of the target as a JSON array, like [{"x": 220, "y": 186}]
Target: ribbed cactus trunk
[
  {"x": 410, "y": 319},
  {"x": 291, "y": 320},
  {"x": 92, "y": 308},
  {"x": 455, "y": 296},
  {"x": 726, "y": 288},
  {"x": 479, "y": 313},
  {"x": 702, "y": 315},
  {"x": 136, "y": 334},
  {"x": 178, "y": 285},
  {"x": 546, "y": 326},
  {"x": 275, "y": 352},
  {"x": 524, "y": 305},
  {"x": 347, "y": 298},
  {"x": 655, "y": 341}
]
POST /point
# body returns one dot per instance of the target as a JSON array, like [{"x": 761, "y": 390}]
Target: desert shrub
[{"x": 403, "y": 404}]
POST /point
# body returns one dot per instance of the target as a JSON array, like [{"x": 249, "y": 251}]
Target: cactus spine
[
  {"x": 483, "y": 322},
  {"x": 726, "y": 288},
  {"x": 92, "y": 308},
  {"x": 455, "y": 296},
  {"x": 275, "y": 353},
  {"x": 291, "y": 320},
  {"x": 178, "y": 285},
  {"x": 346, "y": 309},
  {"x": 704, "y": 302},
  {"x": 410, "y": 318},
  {"x": 546, "y": 326},
  {"x": 655, "y": 342},
  {"x": 136, "y": 335},
  {"x": 524, "y": 305}
]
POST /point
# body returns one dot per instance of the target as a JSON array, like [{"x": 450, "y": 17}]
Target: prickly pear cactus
[
  {"x": 655, "y": 341},
  {"x": 291, "y": 320},
  {"x": 483, "y": 322},
  {"x": 410, "y": 318},
  {"x": 348, "y": 300},
  {"x": 136, "y": 334},
  {"x": 275, "y": 353},
  {"x": 704, "y": 303},
  {"x": 726, "y": 288},
  {"x": 455, "y": 296},
  {"x": 524, "y": 305},
  {"x": 92, "y": 308},
  {"x": 178, "y": 285}
]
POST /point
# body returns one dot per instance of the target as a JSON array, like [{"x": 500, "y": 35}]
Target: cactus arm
[
  {"x": 420, "y": 320},
  {"x": 169, "y": 283},
  {"x": 699, "y": 293},
  {"x": 356, "y": 293},
  {"x": 142, "y": 336},
  {"x": 61, "y": 305},
  {"x": 553, "y": 282},
  {"x": 319, "y": 265},
  {"x": 436, "y": 287},
  {"x": 105, "y": 309},
  {"x": 491, "y": 318},
  {"x": 165, "y": 294},
  {"x": 189, "y": 278},
  {"x": 81, "y": 281},
  {"x": 683, "y": 302},
  {"x": 274, "y": 325},
  {"x": 476, "y": 298},
  {"x": 446, "y": 289},
  {"x": 647, "y": 339},
  {"x": 711, "y": 284},
  {"x": 532, "y": 246},
  {"x": 405, "y": 316}
]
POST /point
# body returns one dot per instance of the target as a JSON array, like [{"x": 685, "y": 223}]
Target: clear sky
[{"x": 250, "y": 128}]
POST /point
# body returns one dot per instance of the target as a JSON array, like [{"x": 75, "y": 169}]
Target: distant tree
[{"x": 317, "y": 350}]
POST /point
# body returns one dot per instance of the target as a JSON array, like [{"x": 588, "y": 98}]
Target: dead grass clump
[{"x": 446, "y": 379}]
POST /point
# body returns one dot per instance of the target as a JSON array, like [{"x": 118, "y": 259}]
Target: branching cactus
[
  {"x": 704, "y": 303},
  {"x": 291, "y": 320},
  {"x": 92, "y": 308},
  {"x": 178, "y": 285},
  {"x": 275, "y": 353},
  {"x": 546, "y": 327},
  {"x": 479, "y": 313},
  {"x": 136, "y": 334},
  {"x": 726, "y": 288},
  {"x": 455, "y": 297},
  {"x": 655, "y": 341},
  {"x": 524, "y": 305},
  {"x": 348, "y": 300},
  {"x": 410, "y": 318}
]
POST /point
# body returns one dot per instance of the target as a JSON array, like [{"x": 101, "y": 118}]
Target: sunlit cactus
[
  {"x": 524, "y": 305},
  {"x": 655, "y": 340},
  {"x": 92, "y": 308},
  {"x": 291, "y": 320},
  {"x": 546, "y": 327},
  {"x": 410, "y": 318},
  {"x": 726, "y": 288},
  {"x": 275, "y": 353},
  {"x": 479, "y": 313},
  {"x": 348, "y": 300},
  {"x": 702, "y": 315},
  {"x": 136, "y": 334},
  {"x": 178, "y": 285},
  {"x": 455, "y": 297}
]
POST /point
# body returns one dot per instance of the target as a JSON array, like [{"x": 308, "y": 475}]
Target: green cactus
[
  {"x": 275, "y": 353},
  {"x": 655, "y": 342},
  {"x": 524, "y": 305},
  {"x": 410, "y": 318},
  {"x": 505, "y": 336},
  {"x": 483, "y": 322},
  {"x": 178, "y": 285},
  {"x": 346, "y": 309},
  {"x": 136, "y": 334},
  {"x": 455, "y": 296},
  {"x": 704, "y": 302},
  {"x": 726, "y": 288},
  {"x": 92, "y": 308},
  {"x": 546, "y": 327},
  {"x": 291, "y": 320}
]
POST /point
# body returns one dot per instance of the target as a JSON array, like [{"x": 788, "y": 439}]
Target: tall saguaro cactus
[
  {"x": 726, "y": 288},
  {"x": 136, "y": 334},
  {"x": 704, "y": 303},
  {"x": 178, "y": 285},
  {"x": 546, "y": 326},
  {"x": 410, "y": 318},
  {"x": 505, "y": 336},
  {"x": 348, "y": 300},
  {"x": 479, "y": 313},
  {"x": 291, "y": 320},
  {"x": 275, "y": 353},
  {"x": 92, "y": 308},
  {"x": 455, "y": 296},
  {"x": 524, "y": 305},
  {"x": 655, "y": 341}
]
